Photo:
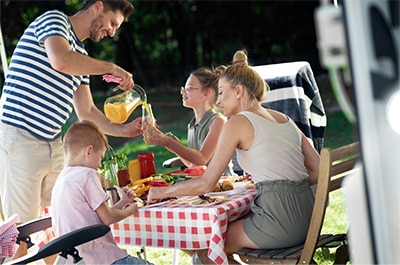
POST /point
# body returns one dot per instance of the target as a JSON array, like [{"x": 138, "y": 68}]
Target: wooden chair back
[{"x": 335, "y": 164}]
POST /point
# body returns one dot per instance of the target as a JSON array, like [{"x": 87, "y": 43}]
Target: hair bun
[{"x": 240, "y": 57}]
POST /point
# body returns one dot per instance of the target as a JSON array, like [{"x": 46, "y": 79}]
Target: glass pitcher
[{"x": 118, "y": 108}]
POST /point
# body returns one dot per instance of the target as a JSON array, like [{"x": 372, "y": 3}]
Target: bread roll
[
  {"x": 227, "y": 185},
  {"x": 217, "y": 188}
]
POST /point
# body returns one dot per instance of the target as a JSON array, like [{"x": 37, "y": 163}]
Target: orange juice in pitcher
[{"x": 118, "y": 108}]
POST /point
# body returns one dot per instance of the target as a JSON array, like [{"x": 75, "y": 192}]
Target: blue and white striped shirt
[{"x": 36, "y": 97}]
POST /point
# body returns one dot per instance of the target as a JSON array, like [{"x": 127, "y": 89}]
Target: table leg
[{"x": 175, "y": 257}]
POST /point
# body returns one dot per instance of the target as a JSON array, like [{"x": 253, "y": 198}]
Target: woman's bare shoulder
[
  {"x": 238, "y": 120},
  {"x": 278, "y": 116}
]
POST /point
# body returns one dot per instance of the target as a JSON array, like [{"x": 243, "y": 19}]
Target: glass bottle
[{"x": 110, "y": 174}]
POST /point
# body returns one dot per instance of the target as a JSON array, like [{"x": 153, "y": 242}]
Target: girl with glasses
[{"x": 199, "y": 94}]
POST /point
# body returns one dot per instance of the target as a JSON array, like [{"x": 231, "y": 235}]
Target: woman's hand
[{"x": 156, "y": 194}]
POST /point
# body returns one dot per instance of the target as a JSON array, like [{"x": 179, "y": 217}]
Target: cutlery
[{"x": 203, "y": 197}]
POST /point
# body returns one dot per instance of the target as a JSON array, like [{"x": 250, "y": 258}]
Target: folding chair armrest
[
  {"x": 65, "y": 243},
  {"x": 31, "y": 227}
]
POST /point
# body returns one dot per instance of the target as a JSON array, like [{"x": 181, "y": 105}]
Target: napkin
[
  {"x": 111, "y": 78},
  {"x": 8, "y": 236}
]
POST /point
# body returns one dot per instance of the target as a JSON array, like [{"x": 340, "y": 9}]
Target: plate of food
[
  {"x": 156, "y": 204},
  {"x": 206, "y": 200},
  {"x": 229, "y": 188},
  {"x": 143, "y": 204}
]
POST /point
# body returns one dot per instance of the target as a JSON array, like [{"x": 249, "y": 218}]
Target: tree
[{"x": 164, "y": 40}]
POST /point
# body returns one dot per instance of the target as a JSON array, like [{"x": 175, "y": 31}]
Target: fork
[{"x": 203, "y": 197}]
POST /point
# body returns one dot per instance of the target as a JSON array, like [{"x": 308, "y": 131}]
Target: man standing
[{"x": 48, "y": 77}]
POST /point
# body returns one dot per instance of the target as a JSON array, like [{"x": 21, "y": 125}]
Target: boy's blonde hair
[{"x": 82, "y": 134}]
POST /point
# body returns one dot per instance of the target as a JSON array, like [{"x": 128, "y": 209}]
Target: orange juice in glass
[{"x": 147, "y": 114}]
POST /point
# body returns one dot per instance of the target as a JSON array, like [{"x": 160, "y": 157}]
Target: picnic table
[{"x": 179, "y": 225}]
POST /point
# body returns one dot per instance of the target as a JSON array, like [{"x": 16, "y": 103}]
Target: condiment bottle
[{"x": 147, "y": 167}]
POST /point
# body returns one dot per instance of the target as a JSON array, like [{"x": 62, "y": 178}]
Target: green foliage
[
  {"x": 163, "y": 40},
  {"x": 122, "y": 160},
  {"x": 29, "y": 15},
  {"x": 336, "y": 221},
  {"x": 339, "y": 131}
]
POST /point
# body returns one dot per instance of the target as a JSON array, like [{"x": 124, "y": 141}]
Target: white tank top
[{"x": 275, "y": 153}]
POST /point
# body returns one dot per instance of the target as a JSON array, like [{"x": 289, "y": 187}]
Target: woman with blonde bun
[{"x": 270, "y": 147}]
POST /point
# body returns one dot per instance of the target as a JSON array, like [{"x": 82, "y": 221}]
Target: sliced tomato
[
  {"x": 175, "y": 172},
  {"x": 157, "y": 183},
  {"x": 190, "y": 171},
  {"x": 195, "y": 171}
]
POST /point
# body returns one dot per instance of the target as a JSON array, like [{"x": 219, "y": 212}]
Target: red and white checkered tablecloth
[
  {"x": 181, "y": 226},
  {"x": 8, "y": 236}
]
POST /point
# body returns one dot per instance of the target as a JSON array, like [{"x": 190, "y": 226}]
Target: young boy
[{"x": 78, "y": 199}]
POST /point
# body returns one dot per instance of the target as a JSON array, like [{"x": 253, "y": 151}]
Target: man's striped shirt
[{"x": 36, "y": 97}]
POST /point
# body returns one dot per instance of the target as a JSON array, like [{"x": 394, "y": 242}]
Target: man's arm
[{"x": 63, "y": 59}]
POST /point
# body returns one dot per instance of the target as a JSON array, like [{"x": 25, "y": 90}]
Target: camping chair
[
  {"x": 22, "y": 233},
  {"x": 65, "y": 245},
  {"x": 334, "y": 166},
  {"x": 27, "y": 229}
]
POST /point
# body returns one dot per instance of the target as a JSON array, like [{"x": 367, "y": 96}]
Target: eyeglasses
[{"x": 189, "y": 88}]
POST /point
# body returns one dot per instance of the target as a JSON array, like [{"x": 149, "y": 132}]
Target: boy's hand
[
  {"x": 126, "y": 195},
  {"x": 132, "y": 208}
]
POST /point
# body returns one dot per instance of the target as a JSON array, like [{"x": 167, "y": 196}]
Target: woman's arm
[
  {"x": 231, "y": 136},
  {"x": 311, "y": 160}
]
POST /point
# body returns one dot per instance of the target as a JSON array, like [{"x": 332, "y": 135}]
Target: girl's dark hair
[
  {"x": 209, "y": 78},
  {"x": 124, "y": 6}
]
